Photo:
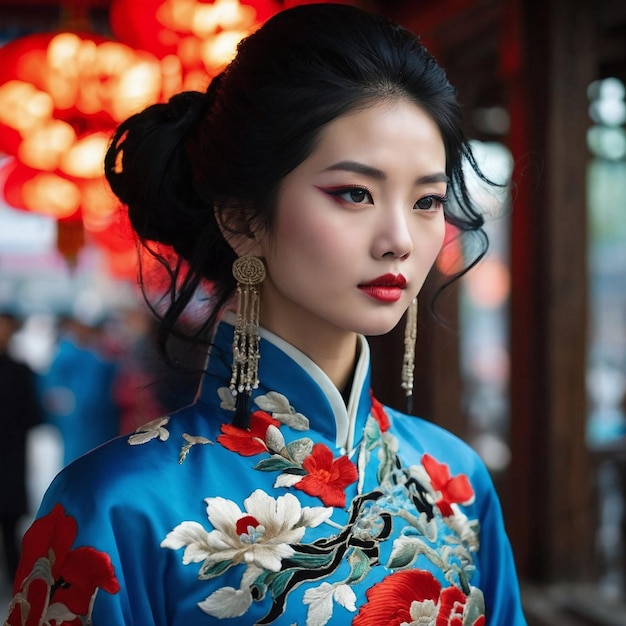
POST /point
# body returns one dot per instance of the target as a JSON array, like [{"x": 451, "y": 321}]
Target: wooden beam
[{"x": 551, "y": 481}]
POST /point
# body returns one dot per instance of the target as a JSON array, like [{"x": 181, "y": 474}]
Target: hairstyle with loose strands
[{"x": 175, "y": 164}]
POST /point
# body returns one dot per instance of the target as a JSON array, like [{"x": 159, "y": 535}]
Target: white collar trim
[{"x": 345, "y": 416}]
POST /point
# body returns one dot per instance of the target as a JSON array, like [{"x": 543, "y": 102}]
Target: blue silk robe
[{"x": 320, "y": 513}]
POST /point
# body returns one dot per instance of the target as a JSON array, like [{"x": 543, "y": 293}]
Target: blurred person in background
[
  {"x": 136, "y": 386},
  {"x": 20, "y": 411},
  {"x": 77, "y": 390},
  {"x": 145, "y": 386}
]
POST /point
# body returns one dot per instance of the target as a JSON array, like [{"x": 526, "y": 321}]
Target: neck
[{"x": 332, "y": 350}]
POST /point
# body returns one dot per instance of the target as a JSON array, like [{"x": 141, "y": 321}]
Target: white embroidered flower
[
  {"x": 320, "y": 601},
  {"x": 280, "y": 409},
  {"x": 422, "y": 613},
  {"x": 150, "y": 431},
  {"x": 261, "y": 534}
]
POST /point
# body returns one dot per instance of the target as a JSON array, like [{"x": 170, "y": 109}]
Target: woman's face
[{"x": 358, "y": 225}]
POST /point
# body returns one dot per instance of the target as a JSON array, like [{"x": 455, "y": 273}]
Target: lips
[{"x": 386, "y": 288}]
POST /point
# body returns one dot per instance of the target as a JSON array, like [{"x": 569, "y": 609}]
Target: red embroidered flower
[
  {"x": 248, "y": 442},
  {"x": 327, "y": 477},
  {"x": 453, "y": 490},
  {"x": 51, "y": 574},
  {"x": 452, "y": 604},
  {"x": 413, "y": 597},
  {"x": 378, "y": 413}
]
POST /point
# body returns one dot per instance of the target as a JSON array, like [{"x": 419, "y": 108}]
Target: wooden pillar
[{"x": 550, "y": 494}]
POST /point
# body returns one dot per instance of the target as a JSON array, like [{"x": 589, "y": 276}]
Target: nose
[{"x": 393, "y": 237}]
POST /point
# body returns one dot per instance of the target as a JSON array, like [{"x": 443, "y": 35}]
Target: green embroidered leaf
[
  {"x": 298, "y": 471},
  {"x": 214, "y": 569},
  {"x": 387, "y": 462},
  {"x": 275, "y": 463},
  {"x": 403, "y": 553},
  {"x": 299, "y": 449},
  {"x": 359, "y": 566},
  {"x": 407, "y": 548},
  {"x": 262, "y": 582},
  {"x": 280, "y": 581},
  {"x": 312, "y": 560}
]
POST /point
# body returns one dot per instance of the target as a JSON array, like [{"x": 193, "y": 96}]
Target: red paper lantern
[
  {"x": 202, "y": 35},
  {"x": 41, "y": 192},
  {"x": 61, "y": 97}
]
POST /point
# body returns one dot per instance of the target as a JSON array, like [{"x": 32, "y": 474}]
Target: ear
[{"x": 236, "y": 226}]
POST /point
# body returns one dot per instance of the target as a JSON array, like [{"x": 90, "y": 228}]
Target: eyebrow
[{"x": 375, "y": 173}]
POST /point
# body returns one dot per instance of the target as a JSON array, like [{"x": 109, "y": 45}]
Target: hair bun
[
  {"x": 148, "y": 169},
  {"x": 187, "y": 107}
]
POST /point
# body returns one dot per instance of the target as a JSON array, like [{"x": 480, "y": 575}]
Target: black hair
[{"x": 173, "y": 164}]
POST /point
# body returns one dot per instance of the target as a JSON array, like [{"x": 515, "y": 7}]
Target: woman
[{"x": 309, "y": 188}]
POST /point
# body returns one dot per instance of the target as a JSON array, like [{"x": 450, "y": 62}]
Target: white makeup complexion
[{"x": 358, "y": 226}]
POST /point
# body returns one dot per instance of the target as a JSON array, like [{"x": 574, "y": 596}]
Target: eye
[
  {"x": 431, "y": 203},
  {"x": 351, "y": 195}
]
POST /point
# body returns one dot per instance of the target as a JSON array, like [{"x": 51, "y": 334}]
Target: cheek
[
  {"x": 429, "y": 240},
  {"x": 306, "y": 235}
]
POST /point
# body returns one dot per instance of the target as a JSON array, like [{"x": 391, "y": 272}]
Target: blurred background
[{"x": 525, "y": 357}]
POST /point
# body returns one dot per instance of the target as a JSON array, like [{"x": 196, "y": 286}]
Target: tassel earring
[
  {"x": 249, "y": 272},
  {"x": 408, "y": 363}
]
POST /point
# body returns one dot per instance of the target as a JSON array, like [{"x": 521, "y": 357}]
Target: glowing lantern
[
  {"x": 61, "y": 96},
  {"x": 203, "y": 35},
  {"x": 41, "y": 192}
]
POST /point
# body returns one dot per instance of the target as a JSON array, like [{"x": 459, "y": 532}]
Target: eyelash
[
  {"x": 439, "y": 200},
  {"x": 340, "y": 191}
]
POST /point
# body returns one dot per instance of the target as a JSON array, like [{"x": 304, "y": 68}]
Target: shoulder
[{"x": 151, "y": 464}]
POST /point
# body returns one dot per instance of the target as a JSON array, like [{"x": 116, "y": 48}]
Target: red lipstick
[{"x": 386, "y": 288}]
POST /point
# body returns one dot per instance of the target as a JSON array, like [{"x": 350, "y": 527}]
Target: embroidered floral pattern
[
  {"x": 151, "y": 430},
  {"x": 307, "y": 467},
  {"x": 379, "y": 414},
  {"x": 415, "y": 598},
  {"x": 449, "y": 490},
  {"x": 191, "y": 440},
  {"x": 321, "y": 602},
  {"x": 327, "y": 477},
  {"x": 416, "y": 509},
  {"x": 260, "y": 537},
  {"x": 55, "y": 583},
  {"x": 251, "y": 441}
]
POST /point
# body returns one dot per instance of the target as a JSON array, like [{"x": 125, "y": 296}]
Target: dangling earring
[
  {"x": 408, "y": 363},
  {"x": 249, "y": 272}
]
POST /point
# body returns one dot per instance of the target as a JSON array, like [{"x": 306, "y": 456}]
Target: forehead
[{"x": 379, "y": 130}]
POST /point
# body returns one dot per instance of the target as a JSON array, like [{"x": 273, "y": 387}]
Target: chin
[{"x": 377, "y": 328}]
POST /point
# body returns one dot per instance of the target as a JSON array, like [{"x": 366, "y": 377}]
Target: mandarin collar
[{"x": 286, "y": 370}]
